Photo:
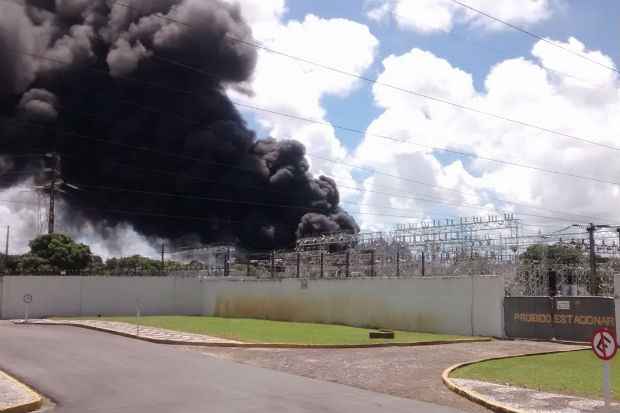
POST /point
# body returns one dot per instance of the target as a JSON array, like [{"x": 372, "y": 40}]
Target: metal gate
[
  {"x": 561, "y": 318},
  {"x": 560, "y": 280}
]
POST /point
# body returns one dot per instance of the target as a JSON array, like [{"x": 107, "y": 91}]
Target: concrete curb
[
  {"x": 481, "y": 399},
  {"x": 36, "y": 404},
  {"x": 269, "y": 345}
]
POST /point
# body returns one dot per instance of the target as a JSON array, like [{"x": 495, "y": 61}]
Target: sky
[
  {"x": 345, "y": 78},
  {"x": 390, "y": 170}
]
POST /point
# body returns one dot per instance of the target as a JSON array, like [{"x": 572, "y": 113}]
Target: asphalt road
[{"x": 86, "y": 371}]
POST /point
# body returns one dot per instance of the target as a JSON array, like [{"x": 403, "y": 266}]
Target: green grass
[
  {"x": 265, "y": 331},
  {"x": 577, "y": 373}
]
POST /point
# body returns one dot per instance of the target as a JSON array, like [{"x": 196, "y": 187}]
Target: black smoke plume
[{"x": 78, "y": 75}]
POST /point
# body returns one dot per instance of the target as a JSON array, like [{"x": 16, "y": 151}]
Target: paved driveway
[
  {"x": 85, "y": 371},
  {"x": 410, "y": 372}
]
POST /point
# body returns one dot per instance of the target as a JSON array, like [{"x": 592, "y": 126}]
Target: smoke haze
[{"x": 94, "y": 80}]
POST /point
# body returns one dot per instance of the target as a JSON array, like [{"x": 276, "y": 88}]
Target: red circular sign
[{"x": 604, "y": 344}]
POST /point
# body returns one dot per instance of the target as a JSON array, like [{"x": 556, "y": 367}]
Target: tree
[
  {"x": 61, "y": 252},
  {"x": 135, "y": 264},
  {"x": 558, "y": 254}
]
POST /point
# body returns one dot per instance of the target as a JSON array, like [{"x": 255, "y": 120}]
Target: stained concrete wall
[
  {"x": 617, "y": 302},
  {"x": 451, "y": 305},
  {"x": 85, "y": 296}
]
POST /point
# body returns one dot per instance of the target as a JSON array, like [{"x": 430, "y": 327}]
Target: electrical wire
[
  {"x": 358, "y": 76},
  {"x": 364, "y": 190},
  {"x": 357, "y": 131},
  {"x": 321, "y": 158},
  {"x": 535, "y": 36},
  {"x": 106, "y": 141}
]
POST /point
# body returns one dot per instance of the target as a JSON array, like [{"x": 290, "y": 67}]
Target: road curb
[
  {"x": 36, "y": 404},
  {"x": 481, "y": 399},
  {"x": 267, "y": 345}
]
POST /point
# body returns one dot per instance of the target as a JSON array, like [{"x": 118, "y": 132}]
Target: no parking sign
[{"x": 605, "y": 346}]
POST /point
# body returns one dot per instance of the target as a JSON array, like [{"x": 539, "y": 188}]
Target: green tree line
[{"x": 60, "y": 254}]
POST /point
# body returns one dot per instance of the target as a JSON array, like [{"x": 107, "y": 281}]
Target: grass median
[
  {"x": 266, "y": 331},
  {"x": 576, "y": 373}
]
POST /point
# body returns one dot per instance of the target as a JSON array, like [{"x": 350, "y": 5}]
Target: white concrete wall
[
  {"x": 617, "y": 303},
  {"x": 451, "y": 305},
  {"x": 488, "y": 298},
  {"x": 83, "y": 296}
]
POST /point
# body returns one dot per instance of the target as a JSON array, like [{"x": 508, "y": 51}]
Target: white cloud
[
  {"x": 279, "y": 84},
  {"x": 527, "y": 89},
  {"x": 262, "y": 15},
  {"x": 285, "y": 85},
  {"x": 26, "y": 215},
  {"x": 429, "y": 16},
  {"x": 18, "y": 210}
]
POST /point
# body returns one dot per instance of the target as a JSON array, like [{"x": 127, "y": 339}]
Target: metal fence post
[
  {"x": 372, "y": 263},
  {"x": 227, "y": 263},
  {"x": 298, "y": 263},
  {"x": 322, "y": 269},
  {"x": 273, "y": 264}
]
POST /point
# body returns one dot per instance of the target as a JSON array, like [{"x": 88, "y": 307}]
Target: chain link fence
[{"x": 561, "y": 280}]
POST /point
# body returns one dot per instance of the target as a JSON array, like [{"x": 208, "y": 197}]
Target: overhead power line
[
  {"x": 226, "y": 165},
  {"x": 207, "y": 219},
  {"x": 349, "y": 129},
  {"x": 378, "y": 190},
  {"x": 438, "y": 148},
  {"x": 358, "y": 76},
  {"x": 499, "y": 52},
  {"x": 281, "y": 205},
  {"x": 106, "y": 141},
  {"x": 340, "y": 162},
  {"x": 535, "y": 36},
  {"x": 473, "y": 155}
]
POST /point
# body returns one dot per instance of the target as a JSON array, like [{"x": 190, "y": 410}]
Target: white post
[
  {"x": 27, "y": 313},
  {"x": 606, "y": 386},
  {"x": 137, "y": 317}
]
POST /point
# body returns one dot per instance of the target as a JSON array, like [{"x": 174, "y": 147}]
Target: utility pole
[
  {"x": 227, "y": 263},
  {"x": 52, "y": 191},
  {"x": 6, "y": 248},
  {"x": 593, "y": 276},
  {"x": 163, "y": 257}
]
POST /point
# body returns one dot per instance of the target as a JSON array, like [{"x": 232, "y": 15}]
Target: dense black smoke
[{"x": 76, "y": 75}]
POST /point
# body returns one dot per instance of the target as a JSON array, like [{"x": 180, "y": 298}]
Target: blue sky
[
  {"x": 594, "y": 22},
  {"x": 438, "y": 49}
]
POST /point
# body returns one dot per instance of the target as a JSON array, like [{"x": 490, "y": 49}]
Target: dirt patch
[{"x": 410, "y": 372}]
